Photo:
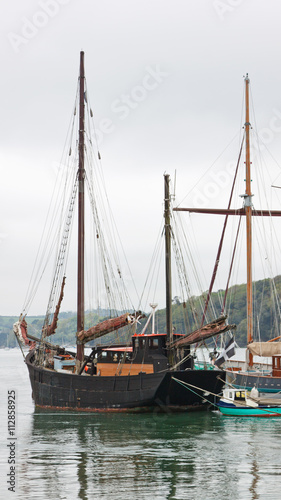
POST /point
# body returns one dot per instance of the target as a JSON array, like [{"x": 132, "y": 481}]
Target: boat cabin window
[
  {"x": 153, "y": 343},
  {"x": 147, "y": 341},
  {"x": 111, "y": 356},
  {"x": 108, "y": 356},
  {"x": 139, "y": 343},
  {"x": 239, "y": 395}
]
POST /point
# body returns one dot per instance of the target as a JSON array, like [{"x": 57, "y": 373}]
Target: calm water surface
[{"x": 122, "y": 456}]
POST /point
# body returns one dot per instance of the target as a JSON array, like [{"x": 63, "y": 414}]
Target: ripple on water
[{"x": 119, "y": 456}]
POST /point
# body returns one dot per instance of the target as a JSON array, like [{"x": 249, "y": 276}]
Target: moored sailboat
[
  {"x": 131, "y": 375},
  {"x": 264, "y": 378}
]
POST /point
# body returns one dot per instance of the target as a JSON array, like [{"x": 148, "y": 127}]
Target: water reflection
[
  {"x": 173, "y": 457},
  {"x": 255, "y": 479},
  {"x": 102, "y": 455},
  {"x": 89, "y": 456}
]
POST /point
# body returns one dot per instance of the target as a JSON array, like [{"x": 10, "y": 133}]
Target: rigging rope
[{"x": 61, "y": 255}]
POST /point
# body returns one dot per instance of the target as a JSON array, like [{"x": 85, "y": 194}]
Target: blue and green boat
[{"x": 240, "y": 403}]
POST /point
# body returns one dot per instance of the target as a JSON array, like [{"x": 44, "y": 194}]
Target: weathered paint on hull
[
  {"x": 142, "y": 392},
  {"x": 248, "y": 380}
]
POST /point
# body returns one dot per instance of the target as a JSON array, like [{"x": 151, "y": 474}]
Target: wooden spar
[
  {"x": 248, "y": 209},
  {"x": 105, "y": 327},
  {"x": 169, "y": 328},
  {"x": 231, "y": 211},
  {"x": 216, "y": 327},
  {"x": 81, "y": 235}
]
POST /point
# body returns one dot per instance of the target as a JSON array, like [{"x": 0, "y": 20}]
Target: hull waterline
[
  {"x": 247, "y": 411},
  {"x": 142, "y": 392}
]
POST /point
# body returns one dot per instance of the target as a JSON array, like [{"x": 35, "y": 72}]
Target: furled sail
[
  {"x": 210, "y": 330},
  {"x": 107, "y": 326},
  {"x": 20, "y": 330},
  {"x": 51, "y": 329},
  {"x": 265, "y": 349}
]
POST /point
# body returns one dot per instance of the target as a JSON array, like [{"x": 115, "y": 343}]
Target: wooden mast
[
  {"x": 81, "y": 175},
  {"x": 169, "y": 328},
  {"x": 248, "y": 210},
  {"x": 245, "y": 211}
]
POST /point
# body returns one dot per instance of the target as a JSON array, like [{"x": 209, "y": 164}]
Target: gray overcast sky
[{"x": 168, "y": 78}]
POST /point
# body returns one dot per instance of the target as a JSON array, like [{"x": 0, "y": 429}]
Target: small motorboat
[{"x": 240, "y": 403}]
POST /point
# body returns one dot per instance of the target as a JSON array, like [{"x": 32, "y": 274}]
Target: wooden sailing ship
[
  {"x": 264, "y": 378},
  {"x": 133, "y": 375}
]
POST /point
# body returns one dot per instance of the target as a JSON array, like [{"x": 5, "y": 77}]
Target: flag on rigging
[{"x": 227, "y": 352}]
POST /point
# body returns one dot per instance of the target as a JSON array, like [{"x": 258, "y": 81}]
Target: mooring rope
[{"x": 185, "y": 384}]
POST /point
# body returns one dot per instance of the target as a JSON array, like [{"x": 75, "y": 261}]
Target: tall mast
[
  {"x": 81, "y": 243},
  {"x": 248, "y": 210},
  {"x": 168, "y": 261}
]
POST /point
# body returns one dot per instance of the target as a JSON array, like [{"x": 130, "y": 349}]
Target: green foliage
[
  {"x": 185, "y": 319},
  {"x": 7, "y": 337},
  {"x": 265, "y": 293},
  {"x": 66, "y": 330}
]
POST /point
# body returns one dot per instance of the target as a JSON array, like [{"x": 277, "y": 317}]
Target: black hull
[
  {"x": 142, "y": 392},
  {"x": 245, "y": 380},
  {"x": 200, "y": 391}
]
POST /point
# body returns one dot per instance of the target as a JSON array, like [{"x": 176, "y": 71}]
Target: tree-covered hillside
[{"x": 265, "y": 316}]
